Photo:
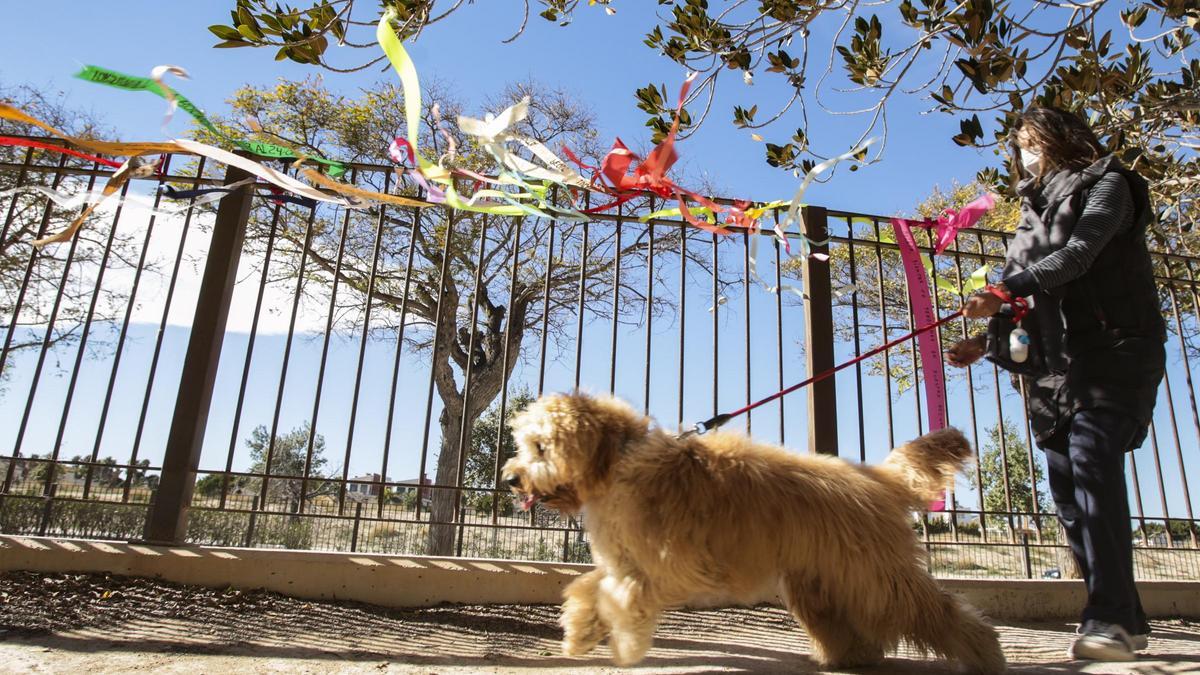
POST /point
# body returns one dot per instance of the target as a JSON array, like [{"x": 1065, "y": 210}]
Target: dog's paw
[
  {"x": 857, "y": 659},
  {"x": 627, "y": 649},
  {"x": 578, "y": 646}
]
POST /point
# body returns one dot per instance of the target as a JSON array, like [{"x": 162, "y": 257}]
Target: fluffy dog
[{"x": 718, "y": 515}]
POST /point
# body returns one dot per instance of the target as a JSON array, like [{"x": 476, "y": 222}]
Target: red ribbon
[
  {"x": 619, "y": 176},
  {"x": 1020, "y": 306},
  {"x": 29, "y": 143}
]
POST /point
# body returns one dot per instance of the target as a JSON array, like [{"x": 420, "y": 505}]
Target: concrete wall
[{"x": 415, "y": 581}]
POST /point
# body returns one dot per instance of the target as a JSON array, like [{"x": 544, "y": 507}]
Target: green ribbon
[{"x": 118, "y": 80}]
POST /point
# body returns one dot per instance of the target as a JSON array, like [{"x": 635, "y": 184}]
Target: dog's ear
[{"x": 616, "y": 424}]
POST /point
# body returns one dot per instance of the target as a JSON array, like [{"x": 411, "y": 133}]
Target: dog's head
[{"x": 566, "y": 447}]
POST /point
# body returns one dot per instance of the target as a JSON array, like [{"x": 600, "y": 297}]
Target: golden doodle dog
[{"x": 675, "y": 520}]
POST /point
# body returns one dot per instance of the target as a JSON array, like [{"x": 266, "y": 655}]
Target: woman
[{"x": 1095, "y": 353}]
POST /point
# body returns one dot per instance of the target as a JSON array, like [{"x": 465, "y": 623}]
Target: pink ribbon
[
  {"x": 946, "y": 228},
  {"x": 948, "y": 224},
  {"x": 922, "y": 309}
]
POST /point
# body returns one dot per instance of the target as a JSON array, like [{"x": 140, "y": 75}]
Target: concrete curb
[{"x": 418, "y": 581}]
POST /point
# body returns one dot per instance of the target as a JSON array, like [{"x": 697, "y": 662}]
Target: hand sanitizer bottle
[{"x": 1018, "y": 345}]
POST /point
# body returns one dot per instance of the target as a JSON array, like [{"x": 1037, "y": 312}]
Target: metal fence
[{"x": 260, "y": 372}]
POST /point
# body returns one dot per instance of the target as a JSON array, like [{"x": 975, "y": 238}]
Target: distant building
[{"x": 364, "y": 487}]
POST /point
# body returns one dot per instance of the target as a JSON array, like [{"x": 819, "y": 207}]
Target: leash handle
[{"x": 1020, "y": 306}]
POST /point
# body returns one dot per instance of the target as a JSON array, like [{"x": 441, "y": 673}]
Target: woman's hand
[
  {"x": 966, "y": 352},
  {"x": 983, "y": 304}
]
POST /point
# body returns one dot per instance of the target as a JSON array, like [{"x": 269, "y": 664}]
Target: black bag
[{"x": 999, "y": 331}]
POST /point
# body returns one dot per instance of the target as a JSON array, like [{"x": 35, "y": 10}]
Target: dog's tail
[{"x": 927, "y": 465}]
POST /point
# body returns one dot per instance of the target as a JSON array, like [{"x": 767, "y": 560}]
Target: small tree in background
[
  {"x": 288, "y": 456},
  {"x": 486, "y": 440},
  {"x": 1011, "y": 457}
]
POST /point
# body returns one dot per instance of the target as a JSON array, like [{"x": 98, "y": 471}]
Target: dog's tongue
[{"x": 528, "y": 501}]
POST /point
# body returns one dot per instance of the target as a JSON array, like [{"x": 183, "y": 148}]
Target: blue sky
[
  {"x": 599, "y": 57},
  {"x": 602, "y": 59}
]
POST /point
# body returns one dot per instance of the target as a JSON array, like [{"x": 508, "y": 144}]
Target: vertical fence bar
[
  {"x": 583, "y": 256},
  {"x": 391, "y": 414},
  {"x": 250, "y": 340},
  {"x": 362, "y": 344},
  {"x": 858, "y": 373},
  {"x": 883, "y": 328},
  {"x": 152, "y": 374},
  {"x": 971, "y": 399},
  {"x": 746, "y": 319},
  {"x": 440, "y": 312},
  {"x": 12, "y": 204},
  {"x": 649, "y": 310},
  {"x": 34, "y": 255},
  {"x": 167, "y": 520},
  {"x": 513, "y": 281},
  {"x": 616, "y": 305},
  {"x": 779, "y": 334},
  {"x": 269, "y": 460},
  {"x": 81, "y": 350},
  {"x": 466, "y": 420},
  {"x": 716, "y": 336},
  {"x": 314, "y": 419},
  {"x": 683, "y": 256},
  {"x": 1162, "y": 492},
  {"x": 545, "y": 312},
  {"x": 818, "y": 333},
  {"x": 1187, "y": 371},
  {"x": 357, "y": 522},
  {"x": 47, "y": 339},
  {"x": 120, "y": 348}
]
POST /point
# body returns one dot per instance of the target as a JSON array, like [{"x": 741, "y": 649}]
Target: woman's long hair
[{"x": 1066, "y": 140}]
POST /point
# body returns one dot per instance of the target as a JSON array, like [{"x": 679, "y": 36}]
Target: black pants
[{"x": 1087, "y": 479}]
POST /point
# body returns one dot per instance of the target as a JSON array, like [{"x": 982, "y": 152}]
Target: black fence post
[
  {"x": 47, "y": 510},
  {"x": 252, "y": 523},
  {"x": 167, "y": 522},
  {"x": 818, "y": 333},
  {"x": 1026, "y": 558},
  {"x": 354, "y": 532}
]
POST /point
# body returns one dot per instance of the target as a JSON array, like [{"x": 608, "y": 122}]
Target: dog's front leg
[
  {"x": 583, "y": 628},
  {"x": 628, "y": 608}
]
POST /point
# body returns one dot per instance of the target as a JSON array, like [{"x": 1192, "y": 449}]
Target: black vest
[{"x": 1101, "y": 335}]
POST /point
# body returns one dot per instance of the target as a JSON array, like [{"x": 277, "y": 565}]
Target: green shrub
[
  {"x": 85, "y": 519},
  {"x": 217, "y": 528},
  {"x": 20, "y": 515}
]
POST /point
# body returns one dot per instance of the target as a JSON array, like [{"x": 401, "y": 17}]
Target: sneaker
[{"x": 1103, "y": 642}]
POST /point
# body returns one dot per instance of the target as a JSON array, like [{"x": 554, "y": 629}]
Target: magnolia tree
[{"x": 1130, "y": 67}]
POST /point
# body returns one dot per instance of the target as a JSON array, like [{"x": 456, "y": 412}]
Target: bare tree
[
  {"x": 467, "y": 290},
  {"x": 49, "y": 296}
]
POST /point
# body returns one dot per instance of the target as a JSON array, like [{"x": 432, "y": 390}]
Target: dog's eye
[{"x": 540, "y": 450}]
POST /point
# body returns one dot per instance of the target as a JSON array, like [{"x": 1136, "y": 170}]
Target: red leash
[{"x": 718, "y": 420}]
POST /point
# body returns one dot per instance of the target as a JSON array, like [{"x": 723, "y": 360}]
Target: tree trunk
[
  {"x": 441, "y": 509},
  {"x": 487, "y": 379}
]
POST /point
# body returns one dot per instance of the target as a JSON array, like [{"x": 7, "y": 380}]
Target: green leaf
[{"x": 225, "y": 32}]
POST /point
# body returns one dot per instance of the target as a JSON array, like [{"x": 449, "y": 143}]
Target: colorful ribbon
[
  {"x": 918, "y": 269},
  {"x": 922, "y": 309},
  {"x": 30, "y": 143},
  {"x": 156, "y": 86},
  {"x": 948, "y": 224}
]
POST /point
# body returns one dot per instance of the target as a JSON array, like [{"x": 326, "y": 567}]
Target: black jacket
[{"x": 1101, "y": 335}]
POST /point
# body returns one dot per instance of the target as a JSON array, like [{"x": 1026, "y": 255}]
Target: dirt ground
[{"x": 102, "y": 624}]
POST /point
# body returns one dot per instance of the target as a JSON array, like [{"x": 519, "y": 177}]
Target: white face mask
[{"x": 1032, "y": 161}]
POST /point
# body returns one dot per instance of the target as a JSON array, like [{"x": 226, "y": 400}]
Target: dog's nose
[{"x": 514, "y": 481}]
